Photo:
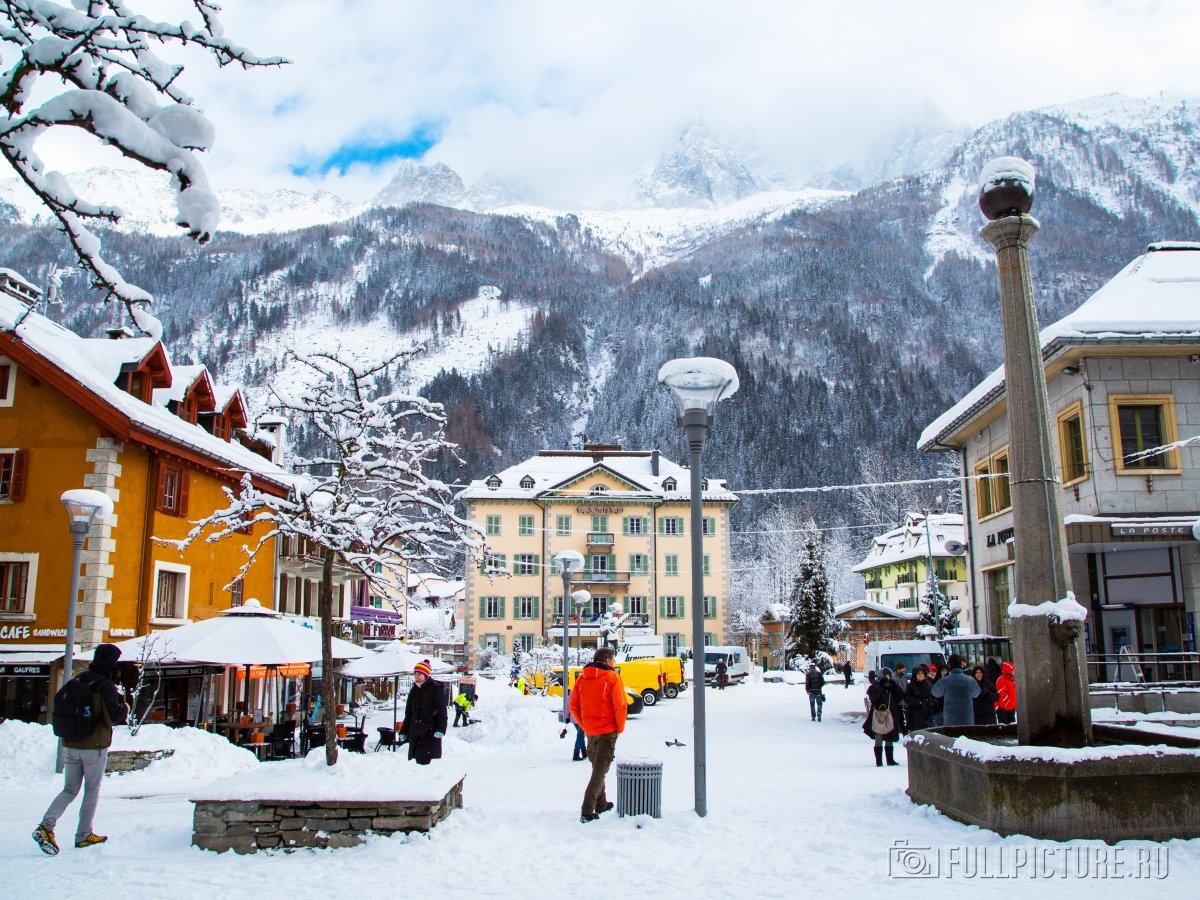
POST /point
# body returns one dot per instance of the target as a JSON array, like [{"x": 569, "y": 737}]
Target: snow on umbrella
[{"x": 396, "y": 659}]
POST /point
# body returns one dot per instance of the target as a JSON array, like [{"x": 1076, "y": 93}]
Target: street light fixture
[
  {"x": 697, "y": 386},
  {"x": 569, "y": 562},
  {"x": 582, "y": 599},
  {"x": 82, "y": 505}
]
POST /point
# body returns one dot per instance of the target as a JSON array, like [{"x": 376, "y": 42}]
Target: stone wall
[
  {"x": 133, "y": 760},
  {"x": 246, "y": 826}
]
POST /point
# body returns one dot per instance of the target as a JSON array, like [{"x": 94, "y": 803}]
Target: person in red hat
[{"x": 424, "y": 716}]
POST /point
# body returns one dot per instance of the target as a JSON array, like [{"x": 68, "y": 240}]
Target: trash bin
[{"x": 639, "y": 788}]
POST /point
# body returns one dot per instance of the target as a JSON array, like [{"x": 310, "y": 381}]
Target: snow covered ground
[{"x": 796, "y": 809}]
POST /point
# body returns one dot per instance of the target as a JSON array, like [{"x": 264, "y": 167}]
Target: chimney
[
  {"x": 275, "y": 428},
  {"x": 654, "y": 462},
  {"x": 15, "y": 286},
  {"x": 120, "y": 333}
]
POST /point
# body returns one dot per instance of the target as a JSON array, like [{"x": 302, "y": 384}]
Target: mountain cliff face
[
  {"x": 853, "y": 319},
  {"x": 698, "y": 172}
]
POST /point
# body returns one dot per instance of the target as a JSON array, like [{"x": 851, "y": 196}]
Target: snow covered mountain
[
  {"x": 418, "y": 183},
  {"x": 698, "y": 172}
]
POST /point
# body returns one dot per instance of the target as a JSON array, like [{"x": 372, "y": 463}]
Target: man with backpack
[{"x": 85, "y": 710}]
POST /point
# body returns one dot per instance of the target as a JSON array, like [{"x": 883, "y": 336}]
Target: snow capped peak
[
  {"x": 699, "y": 171},
  {"x": 416, "y": 182}
]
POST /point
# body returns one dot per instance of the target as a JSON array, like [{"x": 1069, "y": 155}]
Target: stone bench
[
  {"x": 133, "y": 760},
  {"x": 246, "y": 826}
]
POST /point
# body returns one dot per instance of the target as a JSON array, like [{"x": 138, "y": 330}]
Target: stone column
[{"x": 1051, "y": 671}]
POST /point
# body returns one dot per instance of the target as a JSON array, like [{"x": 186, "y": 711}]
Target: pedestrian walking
[
  {"x": 722, "y": 674},
  {"x": 919, "y": 705},
  {"x": 848, "y": 673},
  {"x": 1006, "y": 699},
  {"x": 598, "y": 704},
  {"x": 958, "y": 691},
  {"x": 96, "y": 706},
  {"x": 814, "y": 684},
  {"x": 424, "y": 716},
  {"x": 885, "y": 720},
  {"x": 984, "y": 706}
]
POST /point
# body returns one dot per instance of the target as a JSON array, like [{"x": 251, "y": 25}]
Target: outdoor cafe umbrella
[{"x": 395, "y": 659}]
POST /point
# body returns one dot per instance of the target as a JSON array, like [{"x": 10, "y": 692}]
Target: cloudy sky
[{"x": 567, "y": 99}]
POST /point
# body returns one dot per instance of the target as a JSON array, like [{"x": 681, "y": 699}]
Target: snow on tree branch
[{"x": 90, "y": 66}]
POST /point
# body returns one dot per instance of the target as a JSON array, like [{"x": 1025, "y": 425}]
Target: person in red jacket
[
  {"x": 598, "y": 704},
  {"x": 1006, "y": 688}
]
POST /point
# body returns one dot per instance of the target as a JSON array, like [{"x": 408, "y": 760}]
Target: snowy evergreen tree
[
  {"x": 939, "y": 614},
  {"x": 363, "y": 497},
  {"x": 811, "y": 605},
  {"x": 89, "y": 66}
]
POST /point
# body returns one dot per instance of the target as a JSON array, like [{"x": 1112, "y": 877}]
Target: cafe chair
[
  {"x": 283, "y": 740},
  {"x": 387, "y": 738}
]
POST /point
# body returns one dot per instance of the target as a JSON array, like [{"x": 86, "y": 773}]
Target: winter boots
[
  {"x": 891, "y": 760},
  {"x": 45, "y": 839},
  {"x": 878, "y": 756}
]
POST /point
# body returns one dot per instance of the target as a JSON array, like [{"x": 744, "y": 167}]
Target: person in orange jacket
[
  {"x": 598, "y": 704},
  {"x": 1006, "y": 688}
]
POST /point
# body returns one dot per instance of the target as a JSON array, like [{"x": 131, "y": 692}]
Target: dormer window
[
  {"x": 527, "y": 482},
  {"x": 704, "y": 484},
  {"x": 493, "y": 482},
  {"x": 670, "y": 484},
  {"x": 598, "y": 489}
]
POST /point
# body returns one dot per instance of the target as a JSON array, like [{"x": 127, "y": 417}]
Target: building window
[
  {"x": 14, "y": 469},
  {"x": 1139, "y": 425},
  {"x": 639, "y": 564},
  {"x": 670, "y": 525},
  {"x": 526, "y": 607},
  {"x": 170, "y": 592},
  {"x": 709, "y": 526},
  {"x": 999, "y": 595},
  {"x": 562, "y": 526},
  {"x": 237, "y": 592},
  {"x": 598, "y": 489},
  {"x": 527, "y": 482},
  {"x": 635, "y": 605},
  {"x": 710, "y": 607},
  {"x": 8, "y": 381},
  {"x": 710, "y": 639},
  {"x": 493, "y": 526},
  {"x": 18, "y": 574},
  {"x": 600, "y": 605},
  {"x": 672, "y": 644},
  {"x": 1072, "y": 444},
  {"x": 599, "y": 524},
  {"x": 525, "y": 526},
  {"x": 493, "y": 482},
  {"x": 669, "y": 484},
  {"x": 491, "y": 607},
  {"x": 173, "y": 484},
  {"x": 494, "y": 642},
  {"x": 993, "y": 494},
  {"x": 671, "y": 561},
  {"x": 634, "y": 526},
  {"x": 495, "y": 564},
  {"x": 526, "y": 564},
  {"x": 670, "y": 607},
  {"x": 524, "y": 641}
]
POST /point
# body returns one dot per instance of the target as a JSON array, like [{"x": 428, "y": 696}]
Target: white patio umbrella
[{"x": 395, "y": 660}]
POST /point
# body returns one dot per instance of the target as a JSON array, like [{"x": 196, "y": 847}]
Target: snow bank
[
  {"x": 1065, "y": 610},
  {"x": 356, "y": 776},
  {"x": 986, "y": 751}
]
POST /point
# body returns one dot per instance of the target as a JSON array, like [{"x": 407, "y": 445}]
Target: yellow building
[
  {"x": 114, "y": 416},
  {"x": 628, "y": 512}
]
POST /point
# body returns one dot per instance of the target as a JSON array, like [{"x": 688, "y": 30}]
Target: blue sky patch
[{"x": 372, "y": 153}]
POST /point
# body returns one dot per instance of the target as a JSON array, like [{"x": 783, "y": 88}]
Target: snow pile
[
  {"x": 985, "y": 751},
  {"x": 26, "y": 753},
  {"x": 355, "y": 777},
  {"x": 1064, "y": 610}
]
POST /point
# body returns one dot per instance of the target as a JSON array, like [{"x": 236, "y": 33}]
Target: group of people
[{"x": 933, "y": 696}]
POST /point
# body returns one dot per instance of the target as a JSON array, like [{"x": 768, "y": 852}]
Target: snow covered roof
[
  {"x": 430, "y": 619},
  {"x": 91, "y": 367},
  {"x": 908, "y": 542},
  {"x": 553, "y": 471},
  {"x": 1153, "y": 300},
  {"x": 182, "y": 379},
  {"x": 439, "y": 590},
  {"x": 877, "y": 607}
]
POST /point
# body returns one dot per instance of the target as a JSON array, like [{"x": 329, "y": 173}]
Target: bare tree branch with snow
[{"x": 89, "y": 65}]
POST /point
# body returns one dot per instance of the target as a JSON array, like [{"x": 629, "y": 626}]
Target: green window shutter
[
  {"x": 645, "y": 525},
  {"x": 483, "y": 607},
  {"x": 706, "y": 572},
  {"x": 536, "y": 611},
  {"x": 662, "y": 526},
  {"x": 681, "y": 520},
  {"x": 625, "y": 526},
  {"x": 682, "y": 613},
  {"x": 662, "y": 607},
  {"x": 501, "y": 608},
  {"x": 537, "y": 564}
]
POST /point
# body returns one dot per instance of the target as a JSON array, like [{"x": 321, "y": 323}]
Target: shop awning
[
  {"x": 26, "y": 663},
  {"x": 293, "y": 670}
]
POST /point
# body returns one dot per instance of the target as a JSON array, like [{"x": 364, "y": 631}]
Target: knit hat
[
  {"x": 104, "y": 658},
  {"x": 423, "y": 668}
]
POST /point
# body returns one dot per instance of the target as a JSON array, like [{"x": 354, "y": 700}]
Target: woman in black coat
[
  {"x": 885, "y": 692},
  {"x": 424, "y": 717},
  {"x": 985, "y": 703},
  {"x": 919, "y": 704}
]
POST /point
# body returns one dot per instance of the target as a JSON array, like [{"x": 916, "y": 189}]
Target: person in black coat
[
  {"x": 424, "y": 716},
  {"x": 985, "y": 703},
  {"x": 919, "y": 704},
  {"x": 885, "y": 693}
]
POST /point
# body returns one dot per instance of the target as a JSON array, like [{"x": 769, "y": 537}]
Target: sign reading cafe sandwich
[{"x": 25, "y": 632}]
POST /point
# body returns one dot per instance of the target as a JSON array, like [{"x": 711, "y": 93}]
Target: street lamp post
[
  {"x": 82, "y": 507},
  {"x": 569, "y": 562},
  {"x": 697, "y": 385},
  {"x": 582, "y": 599}
]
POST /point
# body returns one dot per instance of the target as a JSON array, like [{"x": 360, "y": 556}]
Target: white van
[
  {"x": 889, "y": 654},
  {"x": 737, "y": 663}
]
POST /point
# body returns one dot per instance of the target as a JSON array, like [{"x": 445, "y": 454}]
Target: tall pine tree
[{"x": 811, "y": 603}]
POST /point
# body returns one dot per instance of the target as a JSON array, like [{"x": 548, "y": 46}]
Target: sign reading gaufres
[
  {"x": 1152, "y": 529},
  {"x": 24, "y": 670}
]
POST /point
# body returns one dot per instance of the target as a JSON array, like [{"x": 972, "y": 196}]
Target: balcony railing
[
  {"x": 601, "y": 538},
  {"x": 906, "y": 578},
  {"x": 593, "y": 621},
  {"x": 875, "y": 584},
  {"x": 602, "y": 576}
]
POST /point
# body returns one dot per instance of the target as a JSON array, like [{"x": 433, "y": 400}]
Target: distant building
[
  {"x": 1123, "y": 384},
  {"x": 896, "y": 569},
  {"x": 628, "y": 513}
]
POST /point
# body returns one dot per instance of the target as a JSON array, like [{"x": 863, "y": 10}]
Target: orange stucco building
[{"x": 113, "y": 415}]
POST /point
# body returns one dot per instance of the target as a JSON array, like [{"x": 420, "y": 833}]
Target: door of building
[{"x": 1119, "y": 632}]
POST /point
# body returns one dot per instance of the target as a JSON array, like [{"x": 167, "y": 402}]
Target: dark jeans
[
  {"x": 815, "y": 702},
  {"x": 601, "y": 748},
  {"x": 1006, "y": 716},
  {"x": 580, "y": 741}
]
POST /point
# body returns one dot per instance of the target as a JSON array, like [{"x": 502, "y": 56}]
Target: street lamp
[
  {"x": 697, "y": 385},
  {"x": 82, "y": 507},
  {"x": 569, "y": 562},
  {"x": 582, "y": 599}
]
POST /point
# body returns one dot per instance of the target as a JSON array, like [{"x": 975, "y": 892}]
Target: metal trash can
[{"x": 639, "y": 788}]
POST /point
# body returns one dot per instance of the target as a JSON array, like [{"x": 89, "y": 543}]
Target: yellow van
[
  {"x": 645, "y": 677},
  {"x": 637, "y": 698}
]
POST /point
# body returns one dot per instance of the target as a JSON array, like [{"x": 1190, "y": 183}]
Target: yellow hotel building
[{"x": 629, "y": 513}]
